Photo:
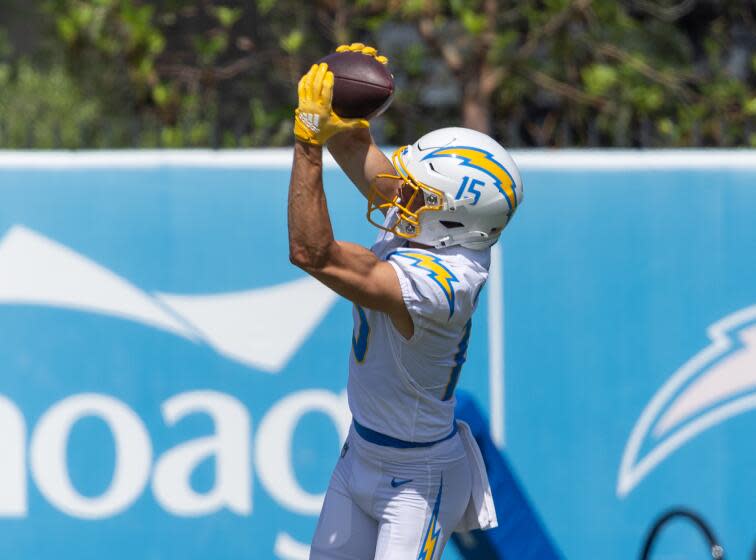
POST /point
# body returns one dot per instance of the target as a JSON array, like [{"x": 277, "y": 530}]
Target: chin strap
[
  {"x": 452, "y": 205},
  {"x": 467, "y": 237}
]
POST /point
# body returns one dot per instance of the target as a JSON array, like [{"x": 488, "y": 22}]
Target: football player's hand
[
  {"x": 364, "y": 49},
  {"x": 314, "y": 120}
]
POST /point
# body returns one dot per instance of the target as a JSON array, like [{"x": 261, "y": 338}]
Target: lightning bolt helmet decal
[{"x": 482, "y": 160}]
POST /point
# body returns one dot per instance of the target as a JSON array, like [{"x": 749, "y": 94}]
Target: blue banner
[{"x": 172, "y": 386}]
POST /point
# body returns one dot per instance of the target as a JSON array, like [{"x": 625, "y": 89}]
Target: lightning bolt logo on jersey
[{"x": 439, "y": 273}]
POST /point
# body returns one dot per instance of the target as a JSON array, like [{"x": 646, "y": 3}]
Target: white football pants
[{"x": 392, "y": 504}]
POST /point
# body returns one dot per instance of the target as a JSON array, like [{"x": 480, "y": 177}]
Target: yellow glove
[
  {"x": 314, "y": 120},
  {"x": 364, "y": 49}
]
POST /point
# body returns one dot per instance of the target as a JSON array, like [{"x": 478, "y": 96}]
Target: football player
[{"x": 409, "y": 475}]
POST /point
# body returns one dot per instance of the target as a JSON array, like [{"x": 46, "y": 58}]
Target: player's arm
[
  {"x": 362, "y": 161},
  {"x": 356, "y": 152},
  {"x": 349, "y": 269}
]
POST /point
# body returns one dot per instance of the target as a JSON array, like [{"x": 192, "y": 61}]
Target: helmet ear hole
[{"x": 450, "y": 225}]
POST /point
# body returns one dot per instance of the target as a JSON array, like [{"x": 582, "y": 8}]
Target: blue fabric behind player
[{"x": 520, "y": 533}]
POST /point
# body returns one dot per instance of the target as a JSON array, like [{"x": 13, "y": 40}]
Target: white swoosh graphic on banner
[
  {"x": 716, "y": 384},
  {"x": 261, "y": 328}
]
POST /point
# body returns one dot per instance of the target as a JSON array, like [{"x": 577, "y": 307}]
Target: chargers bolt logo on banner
[{"x": 717, "y": 383}]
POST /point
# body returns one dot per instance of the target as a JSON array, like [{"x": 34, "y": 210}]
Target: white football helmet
[{"x": 460, "y": 187}]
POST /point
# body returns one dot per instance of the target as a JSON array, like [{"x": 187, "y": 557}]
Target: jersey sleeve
[{"x": 432, "y": 289}]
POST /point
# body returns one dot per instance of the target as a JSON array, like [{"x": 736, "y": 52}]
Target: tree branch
[
  {"x": 550, "y": 27},
  {"x": 613, "y": 51},
  {"x": 566, "y": 90},
  {"x": 447, "y": 50},
  {"x": 490, "y": 79},
  {"x": 193, "y": 74},
  {"x": 666, "y": 13}
]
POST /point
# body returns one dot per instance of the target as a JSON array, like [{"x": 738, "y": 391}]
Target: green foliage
[
  {"x": 599, "y": 79},
  {"x": 5, "y": 47},
  {"x": 292, "y": 42},
  {"x": 175, "y": 73},
  {"x": 412, "y": 8},
  {"x": 44, "y": 109},
  {"x": 265, "y": 6},
  {"x": 750, "y": 107},
  {"x": 226, "y": 15},
  {"x": 474, "y": 23}
]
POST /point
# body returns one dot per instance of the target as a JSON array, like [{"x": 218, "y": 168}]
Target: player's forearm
[
  {"x": 359, "y": 157},
  {"x": 354, "y": 272},
  {"x": 310, "y": 231}
]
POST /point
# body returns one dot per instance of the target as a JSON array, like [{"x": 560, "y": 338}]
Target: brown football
[{"x": 362, "y": 87}]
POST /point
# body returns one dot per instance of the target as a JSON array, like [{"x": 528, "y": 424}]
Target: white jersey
[
  {"x": 404, "y": 388},
  {"x": 409, "y": 475}
]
